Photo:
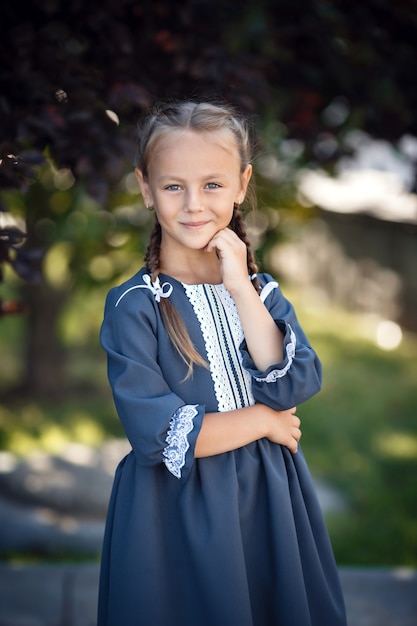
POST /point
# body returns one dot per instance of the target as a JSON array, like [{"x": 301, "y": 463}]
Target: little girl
[{"x": 213, "y": 518}]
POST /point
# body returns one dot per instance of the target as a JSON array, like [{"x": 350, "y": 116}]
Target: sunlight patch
[
  {"x": 388, "y": 335},
  {"x": 397, "y": 445}
]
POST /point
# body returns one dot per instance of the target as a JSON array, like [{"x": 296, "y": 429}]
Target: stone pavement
[
  {"x": 66, "y": 595},
  {"x": 56, "y": 506}
]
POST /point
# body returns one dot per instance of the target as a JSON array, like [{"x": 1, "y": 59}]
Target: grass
[
  {"x": 28, "y": 425},
  {"x": 359, "y": 433}
]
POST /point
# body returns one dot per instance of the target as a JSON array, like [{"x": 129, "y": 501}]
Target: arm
[
  {"x": 263, "y": 338},
  {"x": 159, "y": 425},
  {"x": 297, "y": 377},
  {"x": 285, "y": 369},
  {"x": 223, "y": 432}
]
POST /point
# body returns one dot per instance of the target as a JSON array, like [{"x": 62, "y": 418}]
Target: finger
[
  {"x": 293, "y": 446},
  {"x": 227, "y": 239},
  {"x": 296, "y": 433}
]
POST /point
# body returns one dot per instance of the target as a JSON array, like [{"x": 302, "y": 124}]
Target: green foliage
[
  {"x": 70, "y": 70},
  {"x": 28, "y": 425},
  {"x": 82, "y": 241},
  {"x": 359, "y": 433},
  {"x": 309, "y": 73},
  {"x": 76, "y": 77},
  {"x": 360, "y": 436}
]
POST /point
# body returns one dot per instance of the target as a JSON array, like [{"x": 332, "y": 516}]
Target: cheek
[
  {"x": 229, "y": 215},
  {"x": 166, "y": 215},
  {"x": 165, "y": 208}
]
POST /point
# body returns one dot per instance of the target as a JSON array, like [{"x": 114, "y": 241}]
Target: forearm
[
  {"x": 226, "y": 431},
  {"x": 263, "y": 338}
]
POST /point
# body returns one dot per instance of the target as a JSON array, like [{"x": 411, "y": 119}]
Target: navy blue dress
[{"x": 235, "y": 539}]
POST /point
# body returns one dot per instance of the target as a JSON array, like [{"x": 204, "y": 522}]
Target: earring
[{"x": 149, "y": 207}]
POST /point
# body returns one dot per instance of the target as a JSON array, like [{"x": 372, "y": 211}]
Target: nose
[{"x": 193, "y": 201}]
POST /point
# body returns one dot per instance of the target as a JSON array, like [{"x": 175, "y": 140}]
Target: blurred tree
[
  {"x": 75, "y": 76},
  {"x": 313, "y": 67}
]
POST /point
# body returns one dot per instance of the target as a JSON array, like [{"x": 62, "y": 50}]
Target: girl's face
[{"x": 193, "y": 181}]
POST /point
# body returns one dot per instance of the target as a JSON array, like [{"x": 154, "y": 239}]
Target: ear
[
  {"x": 144, "y": 187},
  {"x": 244, "y": 180}
]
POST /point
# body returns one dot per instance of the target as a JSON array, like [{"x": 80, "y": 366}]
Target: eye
[
  {"x": 213, "y": 186},
  {"x": 173, "y": 187}
]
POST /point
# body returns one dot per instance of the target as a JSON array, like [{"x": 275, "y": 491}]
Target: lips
[{"x": 193, "y": 225}]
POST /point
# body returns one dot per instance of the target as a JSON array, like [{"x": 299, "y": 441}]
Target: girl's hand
[
  {"x": 284, "y": 428},
  {"x": 232, "y": 254}
]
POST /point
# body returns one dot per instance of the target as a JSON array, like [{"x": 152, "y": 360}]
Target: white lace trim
[
  {"x": 181, "y": 425},
  {"x": 222, "y": 333},
  {"x": 279, "y": 373}
]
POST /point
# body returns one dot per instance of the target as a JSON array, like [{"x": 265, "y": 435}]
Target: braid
[
  {"x": 153, "y": 251},
  {"x": 172, "y": 320},
  {"x": 238, "y": 226}
]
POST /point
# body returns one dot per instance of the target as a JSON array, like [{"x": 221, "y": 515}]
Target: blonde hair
[{"x": 205, "y": 117}]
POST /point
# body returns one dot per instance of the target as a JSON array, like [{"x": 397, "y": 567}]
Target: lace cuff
[
  {"x": 181, "y": 425},
  {"x": 274, "y": 374}
]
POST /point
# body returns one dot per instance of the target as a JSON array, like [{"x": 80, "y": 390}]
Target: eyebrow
[{"x": 214, "y": 175}]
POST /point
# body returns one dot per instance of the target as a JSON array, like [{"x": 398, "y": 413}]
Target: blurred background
[{"x": 330, "y": 89}]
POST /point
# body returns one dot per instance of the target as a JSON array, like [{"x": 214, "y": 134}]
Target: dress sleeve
[
  {"x": 298, "y": 377},
  {"x": 161, "y": 428}
]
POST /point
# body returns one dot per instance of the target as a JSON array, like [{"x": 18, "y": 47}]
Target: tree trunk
[{"x": 45, "y": 356}]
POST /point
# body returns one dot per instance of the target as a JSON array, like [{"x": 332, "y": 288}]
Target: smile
[{"x": 193, "y": 225}]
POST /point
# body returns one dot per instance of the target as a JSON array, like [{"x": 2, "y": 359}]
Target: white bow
[{"x": 158, "y": 290}]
